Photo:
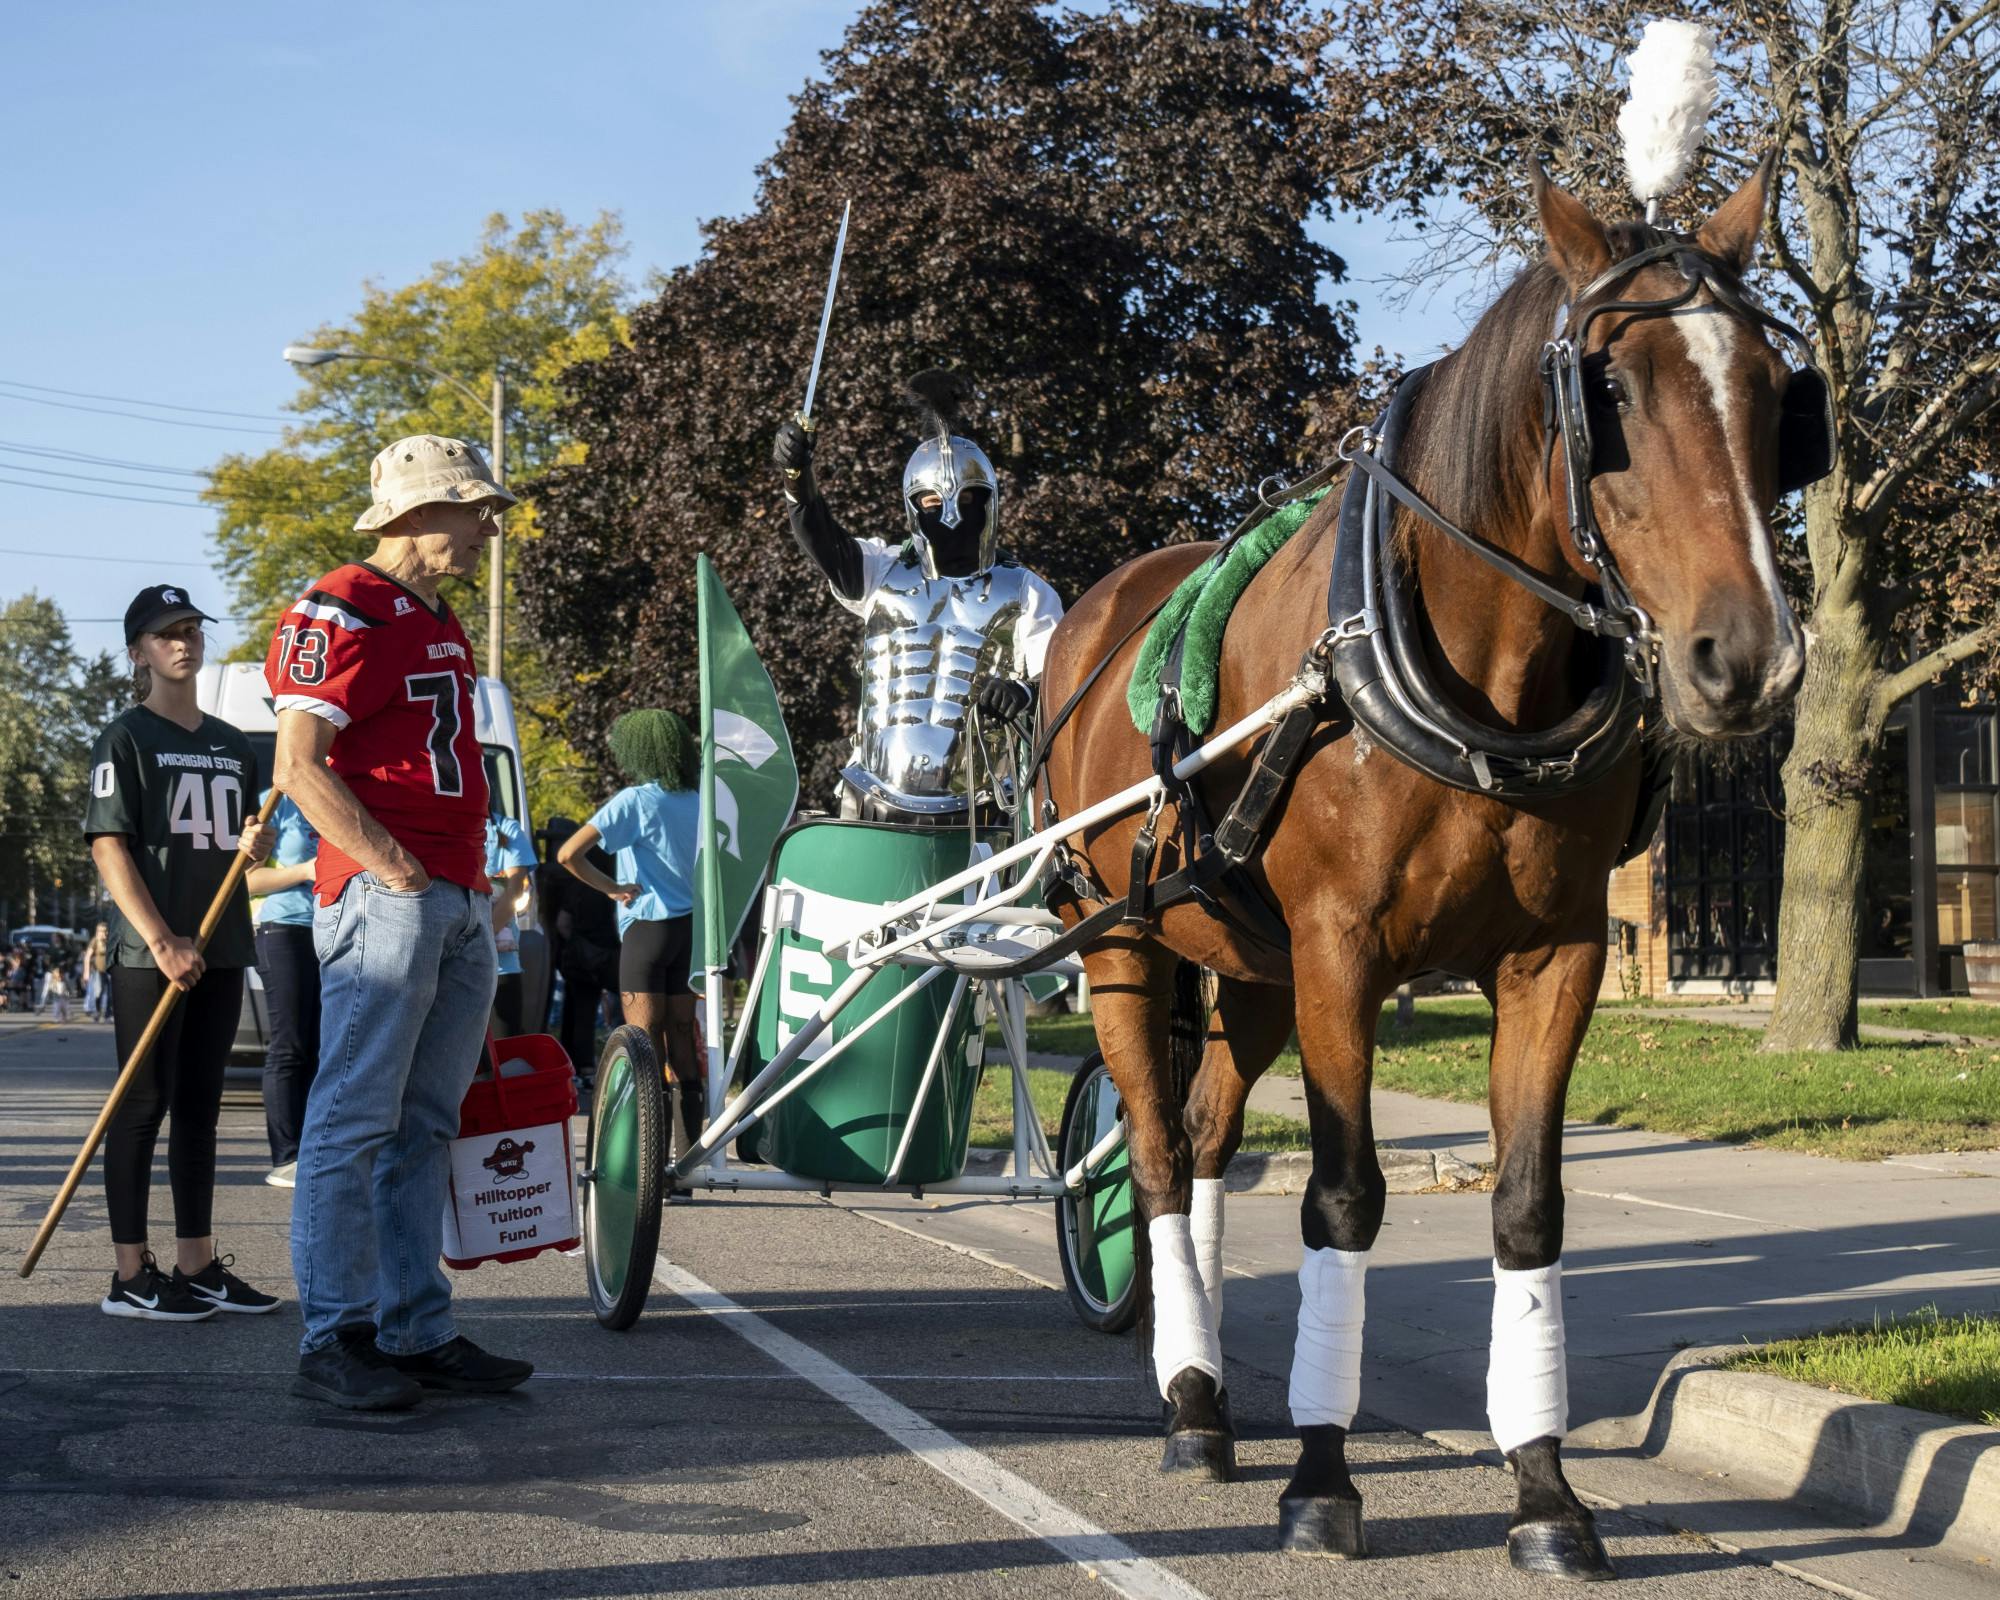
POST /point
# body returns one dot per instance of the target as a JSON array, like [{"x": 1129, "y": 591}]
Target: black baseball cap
[{"x": 160, "y": 607}]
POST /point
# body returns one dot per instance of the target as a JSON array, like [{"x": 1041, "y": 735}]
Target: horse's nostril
[
  {"x": 1721, "y": 670},
  {"x": 1706, "y": 663}
]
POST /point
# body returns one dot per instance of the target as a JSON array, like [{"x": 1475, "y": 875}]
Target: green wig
[{"x": 653, "y": 746}]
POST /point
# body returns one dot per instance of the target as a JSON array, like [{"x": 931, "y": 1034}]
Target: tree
[
  {"x": 1883, "y": 240},
  {"x": 53, "y": 702},
  {"x": 527, "y": 301},
  {"x": 1097, "y": 218}
]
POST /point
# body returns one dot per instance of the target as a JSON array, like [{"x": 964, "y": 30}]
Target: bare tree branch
[
  {"x": 1897, "y": 685},
  {"x": 1930, "y": 212},
  {"x": 1915, "y": 75},
  {"x": 1973, "y": 390}
]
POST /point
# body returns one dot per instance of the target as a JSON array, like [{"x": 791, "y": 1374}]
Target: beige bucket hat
[{"x": 424, "y": 469}]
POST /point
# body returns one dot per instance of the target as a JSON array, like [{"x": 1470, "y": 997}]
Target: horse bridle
[
  {"x": 1805, "y": 440},
  {"x": 1372, "y": 637}
]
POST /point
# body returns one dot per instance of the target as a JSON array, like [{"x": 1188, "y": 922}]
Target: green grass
[
  {"x": 1935, "y": 1363},
  {"x": 993, "y": 1106},
  {"x": 1974, "y": 1017},
  {"x": 1706, "y": 1080}
]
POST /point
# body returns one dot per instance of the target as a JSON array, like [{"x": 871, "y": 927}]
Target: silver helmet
[{"x": 947, "y": 466}]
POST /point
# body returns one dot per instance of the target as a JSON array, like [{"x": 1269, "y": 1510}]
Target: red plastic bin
[{"x": 513, "y": 1185}]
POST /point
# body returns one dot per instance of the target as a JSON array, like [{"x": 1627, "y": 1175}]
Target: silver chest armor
[{"x": 926, "y": 643}]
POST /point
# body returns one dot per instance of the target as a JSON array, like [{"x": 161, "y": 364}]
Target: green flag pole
[{"x": 710, "y": 873}]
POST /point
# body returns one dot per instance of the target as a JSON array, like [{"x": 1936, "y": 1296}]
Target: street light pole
[
  {"x": 496, "y": 572},
  {"x": 496, "y": 577}
]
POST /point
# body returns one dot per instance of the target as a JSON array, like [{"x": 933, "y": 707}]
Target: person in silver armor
[{"x": 948, "y": 624}]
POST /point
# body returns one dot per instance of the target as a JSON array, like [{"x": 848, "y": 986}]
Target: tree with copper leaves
[
  {"x": 1881, "y": 243},
  {"x": 1097, "y": 219}
]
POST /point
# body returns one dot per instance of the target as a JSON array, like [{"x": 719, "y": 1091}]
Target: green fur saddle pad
[{"x": 1201, "y": 606}]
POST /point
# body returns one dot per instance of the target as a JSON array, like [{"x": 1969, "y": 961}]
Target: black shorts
[{"x": 653, "y": 957}]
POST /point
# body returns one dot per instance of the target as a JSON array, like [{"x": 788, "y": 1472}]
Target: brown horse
[{"x": 1381, "y": 872}]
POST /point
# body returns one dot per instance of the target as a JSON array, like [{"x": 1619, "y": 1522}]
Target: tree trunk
[{"x": 1826, "y": 813}]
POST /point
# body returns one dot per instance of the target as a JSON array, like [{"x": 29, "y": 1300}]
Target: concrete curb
[
  {"x": 1286, "y": 1172},
  {"x": 1903, "y": 1474}
]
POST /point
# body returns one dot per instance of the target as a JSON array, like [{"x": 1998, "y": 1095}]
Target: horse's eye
[{"x": 1611, "y": 390}]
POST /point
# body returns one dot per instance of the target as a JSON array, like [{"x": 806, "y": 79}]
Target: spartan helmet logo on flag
[{"x": 737, "y": 739}]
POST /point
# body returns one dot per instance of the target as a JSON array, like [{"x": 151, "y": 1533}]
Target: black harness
[{"x": 1372, "y": 653}]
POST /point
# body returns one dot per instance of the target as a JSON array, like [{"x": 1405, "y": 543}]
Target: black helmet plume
[{"x": 938, "y": 394}]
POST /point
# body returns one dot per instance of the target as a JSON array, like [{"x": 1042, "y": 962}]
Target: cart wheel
[
  {"x": 624, "y": 1152},
  {"x": 1094, "y": 1228}
]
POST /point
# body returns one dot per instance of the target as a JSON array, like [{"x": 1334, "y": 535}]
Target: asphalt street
[{"x": 812, "y": 1403}]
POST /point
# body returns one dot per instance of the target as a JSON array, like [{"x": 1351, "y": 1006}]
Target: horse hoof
[
  {"x": 1200, "y": 1454},
  {"x": 1320, "y": 1525},
  {"x": 1569, "y": 1550}
]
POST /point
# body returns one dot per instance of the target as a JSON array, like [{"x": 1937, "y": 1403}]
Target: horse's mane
[{"x": 1472, "y": 440}]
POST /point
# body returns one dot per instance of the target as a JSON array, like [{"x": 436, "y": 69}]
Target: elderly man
[{"x": 372, "y": 678}]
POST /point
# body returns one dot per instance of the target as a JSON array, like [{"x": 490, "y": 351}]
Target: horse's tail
[{"x": 1187, "y": 1034}]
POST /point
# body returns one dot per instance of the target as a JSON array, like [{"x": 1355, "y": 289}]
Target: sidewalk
[{"x": 1756, "y": 1013}]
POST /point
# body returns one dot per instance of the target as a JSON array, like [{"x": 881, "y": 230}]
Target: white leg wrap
[
  {"x": 1326, "y": 1361},
  {"x": 1205, "y": 1224},
  {"x": 1183, "y": 1337},
  {"x": 1527, "y": 1378}
]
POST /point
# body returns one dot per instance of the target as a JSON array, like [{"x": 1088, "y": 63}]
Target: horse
[{"x": 1380, "y": 871}]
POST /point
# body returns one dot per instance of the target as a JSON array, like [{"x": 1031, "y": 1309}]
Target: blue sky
[{"x": 193, "y": 187}]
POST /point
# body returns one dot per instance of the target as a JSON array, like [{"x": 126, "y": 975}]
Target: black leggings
[
  {"x": 183, "y": 1075},
  {"x": 290, "y": 970}
]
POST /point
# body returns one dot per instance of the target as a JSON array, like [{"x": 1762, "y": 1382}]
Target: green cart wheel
[
  {"x": 1094, "y": 1229},
  {"x": 624, "y": 1157}
]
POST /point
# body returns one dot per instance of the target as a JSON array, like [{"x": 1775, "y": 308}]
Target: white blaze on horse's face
[
  {"x": 1688, "y": 516},
  {"x": 1712, "y": 334}
]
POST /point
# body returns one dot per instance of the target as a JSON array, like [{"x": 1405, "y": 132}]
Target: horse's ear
[
  {"x": 1731, "y": 234},
  {"x": 1577, "y": 241}
]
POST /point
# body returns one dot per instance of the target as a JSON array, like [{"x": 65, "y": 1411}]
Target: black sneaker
[
  {"x": 221, "y": 1288},
  {"x": 353, "y": 1374},
  {"x": 463, "y": 1368},
  {"x": 151, "y": 1295}
]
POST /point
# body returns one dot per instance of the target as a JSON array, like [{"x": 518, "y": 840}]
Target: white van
[{"x": 236, "y": 692}]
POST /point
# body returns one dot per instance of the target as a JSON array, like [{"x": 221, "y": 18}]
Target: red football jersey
[{"x": 396, "y": 678}]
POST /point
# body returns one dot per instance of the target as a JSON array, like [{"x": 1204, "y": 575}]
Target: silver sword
[{"x": 827, "y": 319}]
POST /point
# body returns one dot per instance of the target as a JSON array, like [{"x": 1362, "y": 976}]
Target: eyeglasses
[{"x": 488, "y": 515}]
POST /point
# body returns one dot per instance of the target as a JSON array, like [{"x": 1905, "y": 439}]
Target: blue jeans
[{"x": 406, "y": 985}]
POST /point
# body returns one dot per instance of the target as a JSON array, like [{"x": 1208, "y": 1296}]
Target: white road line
[
  {"x": 972, "y": 1252},
  {"x": 866, "y": 1377},
  {"x": 1109, "y": 1560},
  {"x": 1696, "y": 1211},
  {"x": 600, "y": 1377}
]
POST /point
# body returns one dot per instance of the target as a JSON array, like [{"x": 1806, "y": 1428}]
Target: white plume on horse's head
[{"x": 1666, "y": 108}]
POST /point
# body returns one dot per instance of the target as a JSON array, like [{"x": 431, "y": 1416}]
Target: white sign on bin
[{"x": 509, "y": 1192}]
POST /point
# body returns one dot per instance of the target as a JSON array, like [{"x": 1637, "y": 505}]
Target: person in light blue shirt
[
  {"x": 651, "y": 828},
  {"x": 288, "y": 969},
  {"x": 510, "y": 857}
]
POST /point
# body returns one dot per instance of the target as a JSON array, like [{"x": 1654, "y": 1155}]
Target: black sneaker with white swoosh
[
  {"x": 216, "y": 1285},
  {"x": 151, "y": 1295}
]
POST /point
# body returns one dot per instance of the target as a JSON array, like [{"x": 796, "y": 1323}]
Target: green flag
[{"x": 749, "y": 781}]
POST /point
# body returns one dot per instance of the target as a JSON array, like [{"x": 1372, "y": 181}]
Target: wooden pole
[{"x": 140, "y": 1051}]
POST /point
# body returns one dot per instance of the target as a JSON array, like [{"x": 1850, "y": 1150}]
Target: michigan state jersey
[{"x": 179, "y": 799}]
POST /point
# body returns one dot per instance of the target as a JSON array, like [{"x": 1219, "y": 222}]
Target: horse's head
[{"x": 1686, "y": 406}]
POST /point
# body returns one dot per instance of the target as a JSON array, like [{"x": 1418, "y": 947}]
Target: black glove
[
  {"x": 792, "y": 452},
  {"x": 1003, "y": 698}
]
